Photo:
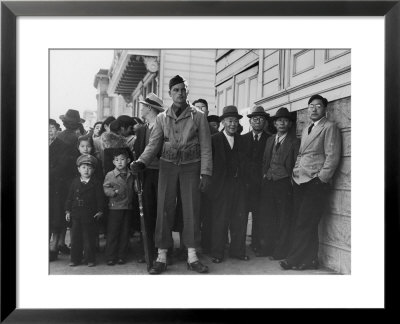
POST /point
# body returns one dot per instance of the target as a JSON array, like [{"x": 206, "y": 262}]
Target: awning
[{"x": 134, "y": 72}]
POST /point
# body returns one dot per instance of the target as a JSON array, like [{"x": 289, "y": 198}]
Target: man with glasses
[
  {"x": 255, "y": 141},
  {"x": 318, "y": 158}
]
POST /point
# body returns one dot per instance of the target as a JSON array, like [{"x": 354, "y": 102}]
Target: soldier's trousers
[{"x": 187, "y": 176}]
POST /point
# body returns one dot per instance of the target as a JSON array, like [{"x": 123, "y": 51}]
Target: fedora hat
[
  {"x": 282, "y": 112},
  {"x": 230, "y": 111},
  {"x": 258, "y": 111},
  {"x": 153, "y": 101},
  {"x": 72, "y": 115}
]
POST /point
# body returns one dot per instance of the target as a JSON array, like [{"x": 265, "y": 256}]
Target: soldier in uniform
[{"x": 183, "y": 134}]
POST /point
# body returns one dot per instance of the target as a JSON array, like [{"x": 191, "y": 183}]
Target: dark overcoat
[
  {"x": 58, "y": 187},
  {"x": 219, "y": 164},
  {"x": 84, "y": 201},
  {"x": 253, "y": 171}
]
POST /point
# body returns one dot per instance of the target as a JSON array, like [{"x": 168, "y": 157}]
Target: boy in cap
[
  {"x": 118, "y": 186},
  {"x": 183, "y": 134},
  {"x": 276, "y": 199},
  {"x": 83, "y": 207}
]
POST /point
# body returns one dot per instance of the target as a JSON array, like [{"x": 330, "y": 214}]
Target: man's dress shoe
[
  {"x": 197, "y": 266},
  {"x": 158, "y": 267},
  {"x": 310, "y": 266},
  {"x": 216, "y": 260},
  {"x": 242, "y": 258},
  {"x": 285, "y": 265}
]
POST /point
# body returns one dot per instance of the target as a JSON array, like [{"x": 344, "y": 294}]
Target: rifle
[{"x": 139, "y": 187}]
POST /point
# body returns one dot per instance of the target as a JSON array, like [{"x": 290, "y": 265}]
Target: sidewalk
[{"x": 255, "y": 266}]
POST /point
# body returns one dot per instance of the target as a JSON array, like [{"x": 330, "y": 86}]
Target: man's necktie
[
  {"x": 256, "y": 138},
  {"x": 310, "y": 128},
  {"x": 278, "y": 144},
  {"x": 178, "y": 112}
]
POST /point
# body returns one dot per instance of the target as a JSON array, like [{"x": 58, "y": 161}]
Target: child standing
[
  {"x": 83, "y": 207},
  {"x": 118, "y": 186}
]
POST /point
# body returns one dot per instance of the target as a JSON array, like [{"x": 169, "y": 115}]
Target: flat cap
[{"x": 86, "y": 159}]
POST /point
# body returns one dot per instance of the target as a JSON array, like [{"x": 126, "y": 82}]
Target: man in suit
[
  {"x": 183, "y": 134},
  {"x": 318, "y": 158},
  {"x": 276, "y": 199},
  {"x": 255, "y": 144},
  {"x": 149, "y": 109},
  {"x": 227, "y": 190}
]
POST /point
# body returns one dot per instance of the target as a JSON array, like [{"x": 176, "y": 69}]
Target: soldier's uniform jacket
[
  {"x": 85, "y": 200},
  {"x": 184, "y": 139}
]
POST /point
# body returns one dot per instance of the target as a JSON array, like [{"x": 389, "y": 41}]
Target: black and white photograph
[
  {"x": 194, "y": 162},
  {"x": 199, "y": 161}
]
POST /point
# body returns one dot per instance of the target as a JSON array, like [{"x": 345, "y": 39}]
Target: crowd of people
[{"x": 200, "y": 177}]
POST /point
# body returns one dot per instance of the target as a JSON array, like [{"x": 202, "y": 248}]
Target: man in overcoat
[
  {"x": 276, "y": 199},
  {"x": 316, "y": 163},
  {"x": 58, "y": 165},
  {"x": 255, "y": 145},
  {"x": 183, "y": 134},
  {"x": 227, "y": 190}
]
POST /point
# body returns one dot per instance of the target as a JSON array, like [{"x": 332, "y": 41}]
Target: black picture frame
[{"x": 11, "y": 10}]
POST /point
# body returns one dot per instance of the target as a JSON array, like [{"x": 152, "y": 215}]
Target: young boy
[
  {"x": 84, "y": 206},
  {"x": 118, "y": 186}
]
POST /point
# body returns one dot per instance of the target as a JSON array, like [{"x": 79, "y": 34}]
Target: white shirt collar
[
  {"x": 280, "y": 139},
  {"x": 231, "y": 139},
  {"x": 85, "y": 181},
  {"x": 317, "y": 122}
]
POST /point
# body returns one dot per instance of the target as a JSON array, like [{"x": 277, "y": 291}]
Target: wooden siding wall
[
  {"x": 288, "y": 78},
  {"x": 196, "y": 66}
]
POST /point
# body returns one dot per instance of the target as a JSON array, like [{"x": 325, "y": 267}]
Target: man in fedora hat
[
  {"x": 255, "y": 144},
  {"x": 227, "y": 190},
  {"x": 316, "y": 163},
  {"x": 58, "y": 165},
  {"x": 276, "y": 199},
  {"x": 149, "y": 109},
  {"x": 183, "y": 134},
  {"x": 72, "y": 123}
]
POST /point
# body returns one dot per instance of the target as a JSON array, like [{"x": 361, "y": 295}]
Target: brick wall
[{"x": 335, "y": 226}]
